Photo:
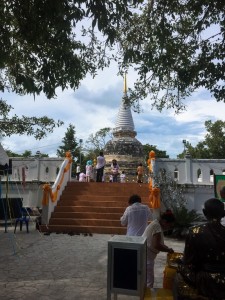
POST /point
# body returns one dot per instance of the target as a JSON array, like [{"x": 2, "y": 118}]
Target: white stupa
[{"x": 124, "y": 147}]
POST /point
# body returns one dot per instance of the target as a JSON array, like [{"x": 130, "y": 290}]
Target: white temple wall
[
  {"x": 188, "y": 169},
  {"x": 196, "y": 195},
  {"x": 27, "y": 177},
  {"x": 31, "y": 193},
  {"x": 35, "y": 169},
  {"x": 197, "y": 188}
]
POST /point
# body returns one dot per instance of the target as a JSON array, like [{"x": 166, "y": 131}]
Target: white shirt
[
  {"x": 100, "y": 162},
  {"x": 153, "y": 228},
  {"x": 136, "y": 217},
  {"x": 122, "y": 178}
]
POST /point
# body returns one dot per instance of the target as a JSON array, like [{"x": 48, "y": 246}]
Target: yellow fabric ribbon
[
  {"x": 154, "y": 198},
  {"x": 47, "y": 189}
]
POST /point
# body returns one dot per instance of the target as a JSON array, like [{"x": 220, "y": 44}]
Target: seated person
[
  {"x": 82, "y": 177},
  {"x": 203, "y": 266}
]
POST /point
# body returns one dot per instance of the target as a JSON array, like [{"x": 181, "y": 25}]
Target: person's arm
[
  {"x": 157, "y": 244},
  {"x": 124, "y": 218}
]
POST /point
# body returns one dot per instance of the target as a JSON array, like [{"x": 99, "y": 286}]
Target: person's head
[
  {"x": 89, "y": 162},
  {"x": 222, "y": 192},
  {"x": 134, "y": 198},
  {"x": 114, "y": 162},
  {"x": 167, "y": 220},
  {"x": 214, "y": 209},
  {"x": 101, "y": 153}
]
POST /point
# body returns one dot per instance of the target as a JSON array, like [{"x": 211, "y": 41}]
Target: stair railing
[{"x": 51, "y": 194}]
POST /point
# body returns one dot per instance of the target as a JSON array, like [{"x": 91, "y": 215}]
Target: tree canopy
[
  {"x": 96, "y": 142},
  {"x": 50, "y": 44},
  {"x": 43, "y": 46},
  {"x": 38, "y": 127},
  {"x": 26, "y": 153},
  {"x": 176, "y": 48},
  {"x": 69, "y": 143},
  {"x": 158, "y": 153},
  {"x": 213, "y": 146}
]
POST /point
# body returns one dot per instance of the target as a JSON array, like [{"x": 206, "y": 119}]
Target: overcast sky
[{"x": 95, "y": 105}]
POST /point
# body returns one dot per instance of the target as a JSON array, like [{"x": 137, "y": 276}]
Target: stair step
[
  {"x": 83, "y": 229},
  {"x": 87, "y": 215},
  {"x": 85, "y": 222},
  {"x": 107, "y": 188},
  {"x": 92, "y": 203},
  {"x": 94, "y": 198},
  {"x": 89, "y": 209}
]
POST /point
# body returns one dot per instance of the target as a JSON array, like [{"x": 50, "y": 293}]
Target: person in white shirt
[
  {"x": 155, "y": 242},
  {"x": 77, "y": 171},
  {"x": 100, "y": 167},
  {"x": 122, "y": 177},
  {"x": 136, "y": 216}
]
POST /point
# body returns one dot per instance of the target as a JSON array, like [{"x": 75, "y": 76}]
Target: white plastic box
[{"x": 126, "y": 266}]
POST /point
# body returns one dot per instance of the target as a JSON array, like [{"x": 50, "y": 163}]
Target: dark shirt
[{"x": 204, "y": 259}]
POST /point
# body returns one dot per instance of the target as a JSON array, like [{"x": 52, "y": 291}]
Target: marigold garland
[{"x": 154, "y": 197}]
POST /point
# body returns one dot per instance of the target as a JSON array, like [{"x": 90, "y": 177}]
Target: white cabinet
[{"x": 126, "y": 266}]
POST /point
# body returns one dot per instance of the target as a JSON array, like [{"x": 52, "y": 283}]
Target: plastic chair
[{"x": 24, "y": 218}]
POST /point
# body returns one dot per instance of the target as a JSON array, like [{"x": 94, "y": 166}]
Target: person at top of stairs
[
  {"x": 88, "y": 170},
  {"x": 136, "y": 216},
  {"x": 114, "y": 170},
  {"x": 100, "y": 167},
  {"x": 82, "y": 177},
  {"x": 123, "y": 177}
]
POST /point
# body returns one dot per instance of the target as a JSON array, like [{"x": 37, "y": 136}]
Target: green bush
[
  {"x": 184, "y": 219},
  {"x": 173, "y": 197}
]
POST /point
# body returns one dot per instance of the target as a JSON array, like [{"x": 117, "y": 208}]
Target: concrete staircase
[{"x": 93, "y": 207}]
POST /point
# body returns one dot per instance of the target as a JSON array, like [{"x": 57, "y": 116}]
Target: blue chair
[{"x": 24, "y": 218}]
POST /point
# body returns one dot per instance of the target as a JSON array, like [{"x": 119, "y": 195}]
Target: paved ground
[{"x": 59, "y": 266}]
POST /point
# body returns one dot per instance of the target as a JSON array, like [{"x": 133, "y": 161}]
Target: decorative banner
[{"x": 23, "y": 177}]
